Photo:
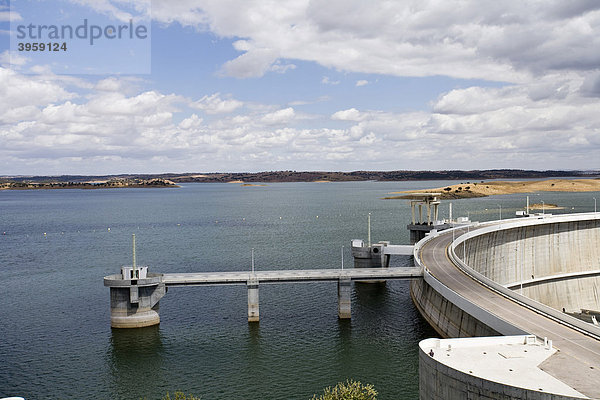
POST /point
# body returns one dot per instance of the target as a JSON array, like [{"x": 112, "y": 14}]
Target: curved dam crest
[{"x": 530, "y": 274}]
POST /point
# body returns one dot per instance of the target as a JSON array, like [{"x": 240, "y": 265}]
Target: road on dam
[{"x": 577, "y": 363}]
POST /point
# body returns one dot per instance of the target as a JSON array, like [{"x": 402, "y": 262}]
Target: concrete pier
[
  {"x": 344, "y": 298},
  {"x": 253, "y": 306}
]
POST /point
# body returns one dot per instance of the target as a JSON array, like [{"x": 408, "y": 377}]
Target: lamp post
[
  {"x": 369, "y": 229},
  {"x": 520, "y": 267},
  {"x": 594, "y": 205},
  {"x": 464, "y": 246}
]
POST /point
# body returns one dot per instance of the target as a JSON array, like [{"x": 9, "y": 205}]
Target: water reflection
[
  {"x": 254, "y": 339},
  {"x": 136, "y": 361},
  {"x": 371, "y": 295}
]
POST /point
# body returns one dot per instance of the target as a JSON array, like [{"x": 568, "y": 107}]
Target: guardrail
[{"x": 536, "y": 306}]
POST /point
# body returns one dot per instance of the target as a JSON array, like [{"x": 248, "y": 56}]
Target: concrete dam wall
[
  {"x": 448, "y": 319},
  {"x": 556, "y": 264}
]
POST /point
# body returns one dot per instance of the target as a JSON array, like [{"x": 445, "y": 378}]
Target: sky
[{"x": 336, "y": 85}]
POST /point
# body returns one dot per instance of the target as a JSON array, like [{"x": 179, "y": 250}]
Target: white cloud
[
  {"x": 545, "y": 116},
  {"x": 362, "y": 82},
  {"x": 482, "y": 39},
  {"x": 114, "y": 8},
  {"x": 351, "y": 114},
  {"x": 518, "y": 126},
  {"x": 214, "y": 104},
  {"x": 281, "y": 68},
  {"x": 18, "y": 92},
  {"x": 7, "y": 15},
  {"x": 109, "y": 85},
  {"x": 193, "y": 121},
  {"x": 282, "y": 116},
  {"x": 12, "y": 59},
  {"x": 252, "y": 64},
  {"x": 467, "y": 39},
  {"x": 326, "y": 81}
]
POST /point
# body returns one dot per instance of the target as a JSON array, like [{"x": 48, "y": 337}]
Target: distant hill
[
  {"x": 311, "y": 176},
  {"x": 308, "y": 176}
]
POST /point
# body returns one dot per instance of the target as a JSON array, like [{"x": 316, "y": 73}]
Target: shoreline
[
  {"x": 485, "y": 189},
  {"x": 116, "y": 184}
]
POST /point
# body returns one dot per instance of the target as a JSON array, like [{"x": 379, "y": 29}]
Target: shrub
[
  {"x": 351, "y": 390},
  {"x": 180, "y": 396}
]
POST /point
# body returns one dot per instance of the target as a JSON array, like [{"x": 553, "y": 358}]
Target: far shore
[{"x": 484, "y": 189}]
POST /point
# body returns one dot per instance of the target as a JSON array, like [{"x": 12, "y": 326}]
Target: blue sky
[{"x": 303, "y": 85}]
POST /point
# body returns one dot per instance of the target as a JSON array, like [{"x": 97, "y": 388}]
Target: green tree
[{"x": 351, "y": 390}]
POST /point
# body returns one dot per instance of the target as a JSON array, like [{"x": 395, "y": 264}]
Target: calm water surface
[{"x": 55, "y": 335}]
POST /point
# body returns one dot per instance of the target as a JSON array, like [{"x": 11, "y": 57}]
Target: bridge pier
[
  {"x": 253, "y": 307},
  {"x": 344, "y": 298}
]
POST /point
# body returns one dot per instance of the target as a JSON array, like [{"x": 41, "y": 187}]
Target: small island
[
  {"x": 545, "y": 206},
  {"x": 112, "y": 183},
  {"x": 483, "y": 189}
]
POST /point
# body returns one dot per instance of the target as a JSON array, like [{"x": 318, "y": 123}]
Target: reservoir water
[{"x": 57, "y": 245}]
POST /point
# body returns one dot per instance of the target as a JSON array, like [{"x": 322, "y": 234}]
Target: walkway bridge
[{"x": 135, "y": 293}]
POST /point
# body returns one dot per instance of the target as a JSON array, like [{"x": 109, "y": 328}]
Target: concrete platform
[{"x": 503, "y": 365}]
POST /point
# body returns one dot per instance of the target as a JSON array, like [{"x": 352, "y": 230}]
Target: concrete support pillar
[
  {"x": 344, "y": 298},
  {"x": 253, "y": 314}
]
